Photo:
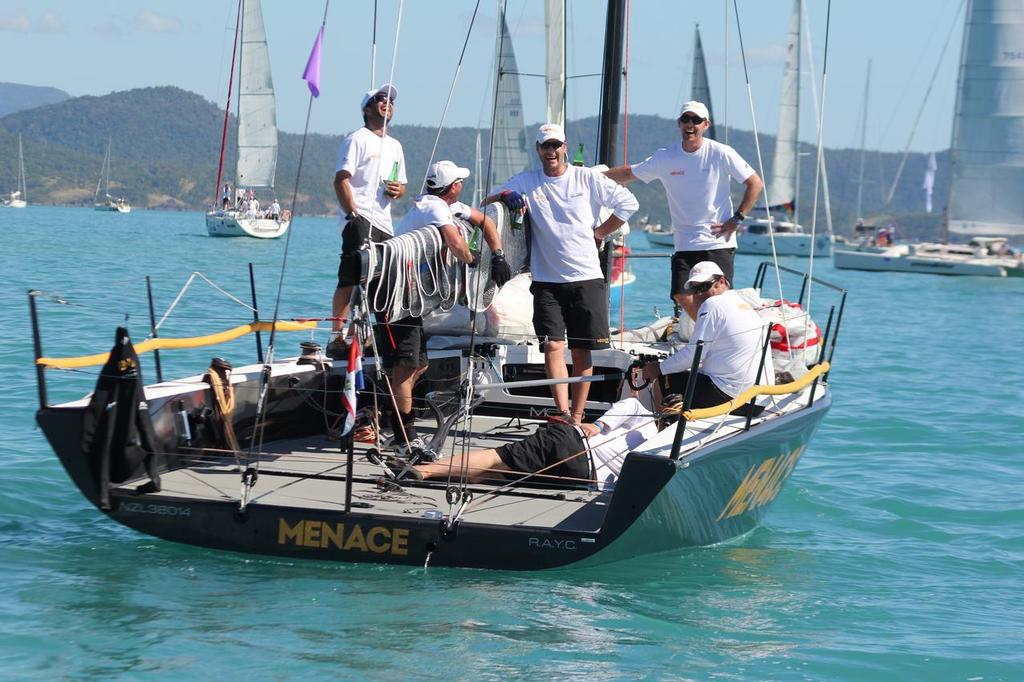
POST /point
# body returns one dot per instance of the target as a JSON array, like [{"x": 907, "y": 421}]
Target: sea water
[{"x": 896, "y": 551}]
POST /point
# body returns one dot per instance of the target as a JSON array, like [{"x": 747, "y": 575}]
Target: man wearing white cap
[
  {"x": 732, "y": 333},
  {"x": 402, "y": 343},
  {"x": 369, "y": 175},
  {"x": 696, "y": 175},
  {"x": 570, "y": 298}
]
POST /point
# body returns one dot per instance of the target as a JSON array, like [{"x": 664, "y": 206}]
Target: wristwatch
[
  {"x": 738, "y": 216},
  {"x": 498, "y": 253}
]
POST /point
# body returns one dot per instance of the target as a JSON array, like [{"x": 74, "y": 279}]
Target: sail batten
[
  {"x": 986, "y": 194},
  {"x": 257, "y": 110}
]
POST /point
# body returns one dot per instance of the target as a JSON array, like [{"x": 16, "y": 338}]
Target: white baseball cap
[
  {"x": 444, "y": 173},
  {"x": 387, "y": 89},
  {"x": 696, "y": 108},
  {"x": 701, "y": 273},
  {"x": 550, "y": 131}
]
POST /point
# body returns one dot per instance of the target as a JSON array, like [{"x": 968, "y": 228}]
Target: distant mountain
[
  {"x": 16, "y": 97},
  {"x": 166, "y": 143}
]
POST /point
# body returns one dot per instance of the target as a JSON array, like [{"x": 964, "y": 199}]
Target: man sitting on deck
[{"x": 558, "y": 451}]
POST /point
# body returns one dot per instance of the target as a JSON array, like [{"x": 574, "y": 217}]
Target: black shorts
[
  {"x": 550, "y": 445},
  {"x": 353, "y": 235},
  {"x": 682, "y": 261},
  {"x": 705, "y": 393},
  {"x": 402, "y": 343},
  {"x": 581, "y": 308}
]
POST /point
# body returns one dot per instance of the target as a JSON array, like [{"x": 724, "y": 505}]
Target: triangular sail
[
  {"x": 987, "y": 190},
  {"x": 554, "y": 77},
  {"x": 785, "y": 173},
  {"x": 257, "y": 117},
  {"x": 700, "y": 89},
  {"x": 508, "y": 142}
]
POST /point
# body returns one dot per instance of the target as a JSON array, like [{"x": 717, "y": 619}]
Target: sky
[{"x": 94, "y": 47}]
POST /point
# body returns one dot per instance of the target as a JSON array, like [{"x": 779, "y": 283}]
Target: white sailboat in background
[
  {"x": 19, "y": 197},
  {"x": 509, "y": 153},
  {"x": 784, "y": 189},
  {"x": 257, "y": 140},
  {"x": 108, "y": 202}
]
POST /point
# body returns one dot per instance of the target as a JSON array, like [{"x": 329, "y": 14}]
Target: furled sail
[
  {"x": 986, "y": 196},
  {"x": 700, "y": 89},
  {"x": 554, "y": 77},
  {"x": 257, "y": 117},
  {"x": 785, "y": 170},
  {"x": 508, "y": 151}
]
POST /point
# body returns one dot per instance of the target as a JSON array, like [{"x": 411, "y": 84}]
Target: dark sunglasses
[
  {"x": 552, "y": 144},
  {"x": 705, "y": 287},
  {"x": 691, "y": 118},
  {"x": 381, "y": 97}
]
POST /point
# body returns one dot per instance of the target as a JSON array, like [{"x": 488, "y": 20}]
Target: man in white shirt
[
  {"x": 370, "y": 174},
  {"x": 403, "y": 343},
  {"x": 274, "y": 212},
  {"x": 569, "y": 292},
  {"x": 696, "y": 175},
  {"x": 733, "y": 335},
  {"x": 558, "y": 451}
]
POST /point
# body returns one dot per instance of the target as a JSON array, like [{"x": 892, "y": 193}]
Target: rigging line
[
  {"x": 820, "y": 166},
  {"x": 265, "y": 375},
  {"x": 757, "y": 147},
  {"x": 924, "y": 102},
  {"x": 384, "y": 132},
  {"x": 625, "y": 159},
  {"x": 826, "y": 194},
  {"x": 451, "y": 91},
  {"x": 373, "y": 47},
  {"x": 188, "y": 283}
]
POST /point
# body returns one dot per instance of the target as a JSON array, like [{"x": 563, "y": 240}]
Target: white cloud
[
  {"x": 21, "y": 22},
  {"x": 150, "y": 21}
]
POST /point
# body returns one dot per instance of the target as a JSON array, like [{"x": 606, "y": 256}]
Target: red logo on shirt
[{"x": 678, "y": 173}]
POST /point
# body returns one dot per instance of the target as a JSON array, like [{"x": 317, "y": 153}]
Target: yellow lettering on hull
[
  {"x": 322, "y": 535},
  {"x": 761, "y": 484}
]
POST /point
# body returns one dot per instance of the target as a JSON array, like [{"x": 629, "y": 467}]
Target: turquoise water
[{"x": 896, "y": 551}]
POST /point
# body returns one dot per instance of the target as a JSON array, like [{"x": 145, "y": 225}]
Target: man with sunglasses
[
  {"x": 369, "y": 175},
  {"x": 732, "y": 333},
  {"x": 570, "y": 299},
  {"x": 403, "y": 343},
  {"x": 696, "y": 175}
]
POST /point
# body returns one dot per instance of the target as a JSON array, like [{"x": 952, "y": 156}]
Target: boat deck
[{"x": 310, "y": 473}]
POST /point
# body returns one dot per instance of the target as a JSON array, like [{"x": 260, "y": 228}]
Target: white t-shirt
[
  {"x": 428, "y": 209},
  {"x": 697, "y": 189},
  {"x": 370, "y": 162},
  {"x": 732, "y": 334},
  {"x": 564, "y": 211},
  {"x": 627, "y": 424}
]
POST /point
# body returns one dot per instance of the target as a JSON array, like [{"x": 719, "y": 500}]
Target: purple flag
[{"x": 312, "y": 73}]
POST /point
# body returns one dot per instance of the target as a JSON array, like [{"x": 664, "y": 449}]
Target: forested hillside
[{"x": 166, "y": 143}]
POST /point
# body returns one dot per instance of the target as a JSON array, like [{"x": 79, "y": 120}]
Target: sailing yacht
[
  {"x": 243, "y": 216},
  {"x": 784, "y": 189},
  {"x": 19, "y": 197},
  {"x": 108, "y": 202}
]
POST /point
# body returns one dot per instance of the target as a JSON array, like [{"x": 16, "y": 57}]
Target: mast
[
  {"x": 863, "y": 142},
  {"x": 227, "y": 104},
  {"x": 611, "y": 84},
  {"x": 554, "y": 78}
]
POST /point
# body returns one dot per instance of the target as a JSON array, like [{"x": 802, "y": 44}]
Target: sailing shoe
[
  {"x": 406, "y": 450},
  {"x": 337, "y": 349}
]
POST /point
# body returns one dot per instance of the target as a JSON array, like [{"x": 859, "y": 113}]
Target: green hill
[
  {"x": 17, "y": 97},
  {"x": 166, "y": 142}
]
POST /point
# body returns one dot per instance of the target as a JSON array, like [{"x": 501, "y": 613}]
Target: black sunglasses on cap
[
  {"x": 551, "y": 144},
  {"x": 691, "y": 118},
  {"x": 706, "y": 286}
]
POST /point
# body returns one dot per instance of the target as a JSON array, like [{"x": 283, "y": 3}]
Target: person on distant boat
[
  {"x": 240, "y": 197},
  {"x": 733, "y": 335},
  {"x": 225, "y": 197},
  {"x": 370, "y": 174},
  {"x": 574, "y": 453},
  {"x": 402, "y": 343},
  {"x": 569, "y": 293},
  {"x": 254, "y": 207},
  {"x": 274, "y": 213},
  {"x": 696, "y": 176}
]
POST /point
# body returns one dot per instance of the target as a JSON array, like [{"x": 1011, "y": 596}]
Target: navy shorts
[
  {"x": 353, "y": 235},
  {"x": 552, "y": 444},
  {"x": 579, "y": 308},
  {"x": 682, "y": 261},
  {"x": 402, "y": 343}
]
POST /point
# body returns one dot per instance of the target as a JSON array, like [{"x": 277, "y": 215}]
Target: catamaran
[
  {"x": 261, "y": 457},
  {"x": 19, "y": 197},
  {"x": 240, "y": 214},
  {"x": 108, "y": 202}
]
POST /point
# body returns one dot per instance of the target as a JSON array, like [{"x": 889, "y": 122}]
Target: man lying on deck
[{"x": 558, "y": 450}]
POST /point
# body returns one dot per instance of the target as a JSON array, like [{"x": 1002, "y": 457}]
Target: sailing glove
[
  {"x": 475, "y": 262},
  {"x": 500, "y": 271},
  {"x": 513, "y": 200}
]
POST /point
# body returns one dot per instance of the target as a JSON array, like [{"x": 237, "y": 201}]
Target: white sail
[
  {"x": 785, "y": 173},
  {"x": 508, "y": 141},
  {"x": 554, "y": 78},
  {"x": 929, "y": 182},
  {"x": 987, "y": 187},
  {"x": 257, "y": 117},
  {"x": 700, "y": 90}
]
